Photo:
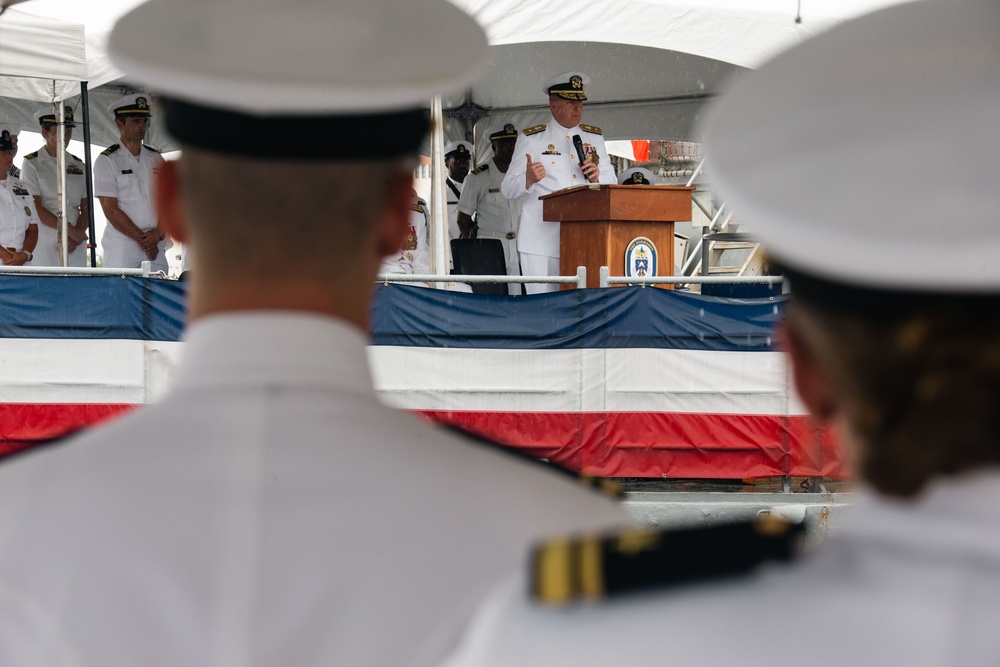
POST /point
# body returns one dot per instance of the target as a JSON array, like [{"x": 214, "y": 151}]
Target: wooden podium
[{"x": 598, "y": 222}]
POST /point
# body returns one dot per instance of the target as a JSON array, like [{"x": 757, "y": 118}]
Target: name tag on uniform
[
  {"x": 126, "y": 171},
  {"x": 494, "y": 189}
]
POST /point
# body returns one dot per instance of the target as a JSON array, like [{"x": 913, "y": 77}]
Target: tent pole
[
  {"x": 62, "y": 242},
  {"x": 440, "y": 254},
  {"x": 85, "y": 103}
]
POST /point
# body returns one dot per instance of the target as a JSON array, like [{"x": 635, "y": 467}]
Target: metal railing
[
  {"x": 145, "y": 271},
  {"x": 608, "y": 280},
  {"x": 579, "y": 280}
]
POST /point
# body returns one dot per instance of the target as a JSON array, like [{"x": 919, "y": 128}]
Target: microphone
[{"x": 578, "y": 145}]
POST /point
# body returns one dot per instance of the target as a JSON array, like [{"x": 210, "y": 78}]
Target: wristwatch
[{"x": 28, "y": 253}]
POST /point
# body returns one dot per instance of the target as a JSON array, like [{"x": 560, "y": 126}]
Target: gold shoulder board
[
  {"x": 575, "y": 569},
  {"x": 593, "y": 129},
  {"x": 528, "y": 131}
]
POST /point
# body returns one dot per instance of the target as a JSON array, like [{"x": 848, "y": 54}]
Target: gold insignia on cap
[
  {"x": 141, "y": 102},
  {"x": 509, "y": 129},
  {"x": 461, "y": 148},
  {"x": 576, "y": 82},
  {"x": 637, "y": 177},
  {"x": 5, "y": 136}
]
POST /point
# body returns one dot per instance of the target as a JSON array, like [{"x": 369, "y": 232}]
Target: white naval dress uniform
[
  {"x": 39, "y": 172},
  {"x": 129, "y": 178},
  {"x": 496, "y": 216},
  {"x": 551, "y": 145},
  {"x": 413, "y": 257},
  {"x": 270, "y": 511},
  {"x": 899, "y": 583},
  {"x": 452, "y": 193},
  {"x": 17, "y": 211}
]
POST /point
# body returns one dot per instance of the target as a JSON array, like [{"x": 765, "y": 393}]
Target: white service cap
[
  {"x": 500, "y": 131},
  {"x": 48, "y": 115},
  {"x": 139, "y": 105},
  {"x": 637, "y": 176},
  {"x": 7, "y": 133},
  {"x": 569, "y": 85},
  {"x": 458, "y": 148},
  {"x": 870, "y": 155},
  {"x": 258, "y": 66}
]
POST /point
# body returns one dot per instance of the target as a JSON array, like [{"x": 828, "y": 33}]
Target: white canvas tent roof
[
  {"x": 47, "y": 47},
  {"x": 653, "y": 62},
  {"x": 661, "y": 58},
  {"x": 35, "y": 51}
]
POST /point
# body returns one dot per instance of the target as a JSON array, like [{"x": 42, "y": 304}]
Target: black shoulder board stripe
[
  {"x": 13, "y": 449},
  {"x": 31, "y": 156},
  {"x": 593, "y": 129},
  {"x": 110, "y": 149},
  {"x": 150, "y": 148},
  {"x": 74, "y": 157},
  {"x": 528, "y": 131},
  {"x": 592, "y": 567},
  {"x": 606, "y": 486},
  {"x": 481, "y": 168}
]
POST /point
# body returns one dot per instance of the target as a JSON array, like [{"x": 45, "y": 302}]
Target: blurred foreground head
[
  {"x": 867, "y": 160},
  {"x": 298, "y": 126}
]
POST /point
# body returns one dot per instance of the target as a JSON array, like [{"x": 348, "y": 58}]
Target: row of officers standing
[
  {"x": 500, "y": 199},
  {"x": 123, "y": 177}
]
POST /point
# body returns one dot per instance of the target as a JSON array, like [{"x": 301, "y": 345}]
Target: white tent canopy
[
  {"x": 43, "y": 50},
  {"x": 662, "y": 58},
  {"x": 47, "y": 48},
  {"x": 653, "y": 62}
]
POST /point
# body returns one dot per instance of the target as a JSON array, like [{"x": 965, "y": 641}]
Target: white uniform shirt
[
  {"x": 270, "y": 511},
  {"x": 451, "y": 197},
  {"x": 17, "y": 211},
  {"x": 39, "y": 172},
  {"x": 553, "y": 148},
  {"x": 413, "y": 257},
  {"x": 898, "y": 583},
  {"x": 496, "y": 216},
  {"x": 129, "y": 179}
]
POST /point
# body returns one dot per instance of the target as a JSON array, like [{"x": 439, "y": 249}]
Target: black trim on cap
[
  {"x": 331, "y": 137},
  {"x": 505, "y": 133},
  {"x": 53, "y": 121},
  {"x": 883, "y": 303}
]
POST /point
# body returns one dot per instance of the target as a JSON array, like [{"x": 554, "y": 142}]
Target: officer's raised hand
[
  {"x": 590, "y": 171},
  {"x": 535, "y": 172}
]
